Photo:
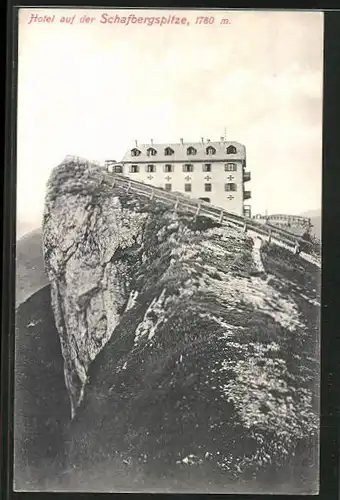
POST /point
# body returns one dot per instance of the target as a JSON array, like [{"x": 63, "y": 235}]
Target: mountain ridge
[
  {"x": 316, "y": 220},
  {"x": 30, "y": 266},
  {"x": 184, "y": 363}
]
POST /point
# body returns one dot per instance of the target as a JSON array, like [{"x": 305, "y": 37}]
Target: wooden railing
[
  {"x": 276, "y": 235},
  {"x": 176, "y": 201}
]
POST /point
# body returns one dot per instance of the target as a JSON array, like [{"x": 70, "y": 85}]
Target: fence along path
[{"x": 278, "y": 236}]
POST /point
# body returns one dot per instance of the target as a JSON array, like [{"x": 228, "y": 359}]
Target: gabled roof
[{"x": 180, "y": 152}]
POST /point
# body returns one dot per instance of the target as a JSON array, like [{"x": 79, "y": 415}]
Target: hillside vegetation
[{"x": 188, "y": 369}]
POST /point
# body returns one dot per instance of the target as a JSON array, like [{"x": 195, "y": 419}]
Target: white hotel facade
[{"x": 212, "y": 171}]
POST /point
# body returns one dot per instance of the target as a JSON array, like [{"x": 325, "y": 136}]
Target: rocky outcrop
[
  {"x": 185, "y": 359},
  {"x": 90, "y": 233}
]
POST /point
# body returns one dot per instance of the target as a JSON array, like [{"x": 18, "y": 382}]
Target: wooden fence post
[
  {"x": 152, "y": 194},
  {"x": 221, "y": 217},
  {"x": 269, "y": 235},
  {"x": 198, "y": 209},
  {"x": 245, "y": 227},
  {"x": 176, "y": 204},
  {"x": 297, "y": 248},
  {"x": 128, "y": 187}
]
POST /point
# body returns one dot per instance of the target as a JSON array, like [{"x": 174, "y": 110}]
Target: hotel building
[{"x": 211, "y": 171}]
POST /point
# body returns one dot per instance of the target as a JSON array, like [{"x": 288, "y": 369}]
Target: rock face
[
  {"x": 187, "y": 367},
  {"x": 87, "y": 226}
]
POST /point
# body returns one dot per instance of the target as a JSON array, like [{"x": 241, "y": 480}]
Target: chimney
[
  {"x": 202, "y": 139},
  {"x": 181, "y": 139},
  {"x": 151, "y": 142},
  {"x": 222, "y": 139},
  {"x": 136, "y": 143}
]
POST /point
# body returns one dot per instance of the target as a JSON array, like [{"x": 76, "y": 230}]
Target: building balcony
[
  {"x": 246, "y": 176},
  {"x": 246, "y": 195}
]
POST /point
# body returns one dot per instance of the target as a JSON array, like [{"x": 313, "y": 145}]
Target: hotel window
[
  {"x": 207, "y": 167},
  {"x": 207, "y": 187},
  {"x": 118, "y": 169},
  {"x": 168, "y": 187},
  {"x": 134, "y": 169},
  {"x": 231, "y": 150},
  {"x": 168, "y": 151},
  {"x": 230, "y": 186},
  {"x": 151, "y": 168},
  {"x": 191, "y": 151},
  {"x": 168, "y": 168},
  {"x": 210, "y": 150},
  {"x": 135, "y": 152},
  {"x": 188, "y": 168},
  {"x": 151, "y": 152},
  {"x": 187, "y": 188},
  {"x": 230, "y": 167}
]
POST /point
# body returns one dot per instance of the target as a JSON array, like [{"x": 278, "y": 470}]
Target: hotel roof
[{"x": 181, "y": 152}]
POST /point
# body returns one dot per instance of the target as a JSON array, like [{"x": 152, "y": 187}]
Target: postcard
[{"x": 168, "y": 251}]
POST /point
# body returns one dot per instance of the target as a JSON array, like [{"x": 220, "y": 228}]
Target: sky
[{"x": 93, "y": 89}]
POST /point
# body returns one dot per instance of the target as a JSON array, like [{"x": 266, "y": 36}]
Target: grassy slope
[
  {"x": 137, "y": 423},
  {"x": 213, "y": 402},
  {"x": 41, "y": 400}
]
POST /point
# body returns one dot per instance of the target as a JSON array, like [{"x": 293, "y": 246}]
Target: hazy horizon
[{"x": 91, "y": 90}]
